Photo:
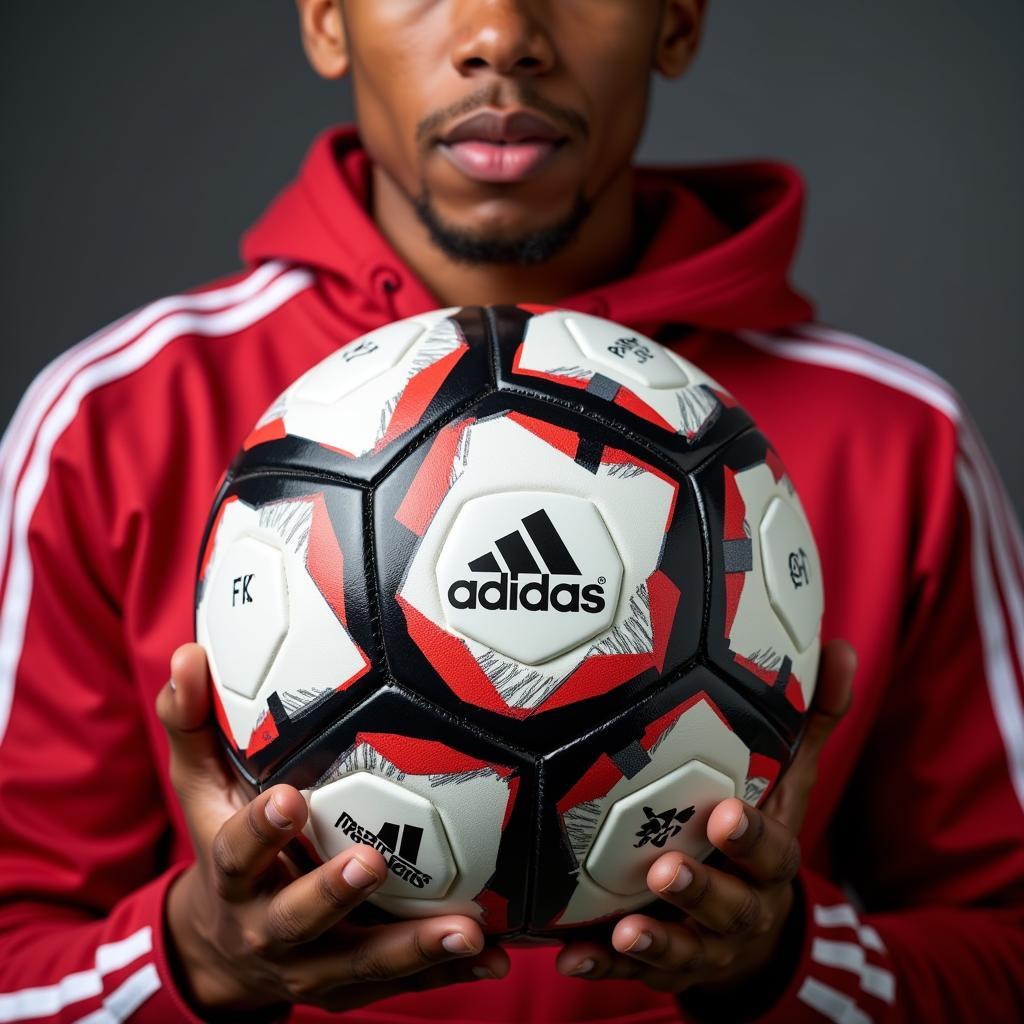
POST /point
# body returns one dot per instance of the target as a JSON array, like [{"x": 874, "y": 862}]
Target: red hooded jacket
[{"x": 107, "y": 472}]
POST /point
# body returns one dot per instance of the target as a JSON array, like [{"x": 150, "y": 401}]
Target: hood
[{"x": 718, "y": 256}]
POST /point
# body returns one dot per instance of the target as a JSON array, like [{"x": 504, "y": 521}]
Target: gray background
[{"x": 139, "y": 140}]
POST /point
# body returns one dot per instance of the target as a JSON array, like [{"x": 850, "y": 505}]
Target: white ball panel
[
  {"x": 623, "y": 353},
  {"x": 471, "y": 808},
  {"x": 578, "y": 346},
  {"x": 317, "y": 654},
  {"x": 679, "y": 804},
  {"x": 348, "y": 400},
  {"x": 697, "y": 735},
  {"x": 791, "y": 571},
  {"x": 634, "y": 505},
  {"x": 758, "y": 633},
  {"x": 247, "y": 606},
  {"x": 525, "y": 635},
  {"x": 403, "y": 826}
]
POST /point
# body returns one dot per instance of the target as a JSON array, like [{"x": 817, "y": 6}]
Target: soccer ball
[{"x": 515, "y": 595}]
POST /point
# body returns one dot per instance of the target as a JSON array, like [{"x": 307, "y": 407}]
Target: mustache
[{"x": 527, "y": 96}]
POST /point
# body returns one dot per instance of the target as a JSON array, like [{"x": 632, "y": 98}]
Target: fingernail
[
  {"x": 583, "y": 967},
  {"x": 483, "y": 973},
  {"x": 680, "y": 880},
  {"x": 740, "y": 828},
  {"x": 640, "y": 943},
  {"x": 358, "y": 875},
  {"x": 457, "y": 943},
  {"x": 275, "y": 816}
]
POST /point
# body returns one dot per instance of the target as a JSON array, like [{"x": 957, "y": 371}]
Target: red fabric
[{"x": 109, "y": 468}]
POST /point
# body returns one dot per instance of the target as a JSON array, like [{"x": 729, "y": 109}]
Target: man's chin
[{"x": 477, "y": 245}]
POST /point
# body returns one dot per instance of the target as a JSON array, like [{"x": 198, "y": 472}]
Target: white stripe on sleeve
[{"x": 47, "y": 1000}]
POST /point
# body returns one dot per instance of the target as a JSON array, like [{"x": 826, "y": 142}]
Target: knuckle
[
  {"x": 300, "y": 987},
  {"x": 744, "y": 915},
  {"x": 789, "y": 861},
  {"x": 225, "y": 858},
  {"x": 284, "y": 924},
  {"x": 368, "y": 964},
  {"x": 765, "y": 923},
  {"x": 692, "y": 958},
  {"x": 724, "y": 956},
  {"x": 257, "y": 943}
]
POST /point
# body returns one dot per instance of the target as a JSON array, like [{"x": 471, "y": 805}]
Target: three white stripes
[
  {"x": 106, "y": 361},
  {"x": 47, "y": 409},
  {"x": 846, "y": 956},
  {"x": 991, "y": 518}
]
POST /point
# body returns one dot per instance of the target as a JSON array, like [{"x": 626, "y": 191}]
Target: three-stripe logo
[{"x": 508, "y": 593}]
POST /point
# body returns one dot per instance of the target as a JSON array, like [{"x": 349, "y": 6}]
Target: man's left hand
[{"x": 733, "y": 919}]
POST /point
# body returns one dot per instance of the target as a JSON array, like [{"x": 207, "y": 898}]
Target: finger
[
  {"x": 833, "y": 696},
  {"x": 306, "y": 908},
  {"x": 247, "y": 844},
  {"x": 719, "y": 901},
  {"x": 593, "y": 961},
  {"x": 672, "y": 948},
  {"x": 764, "y": 848},
  {"x": 197, "y": 770},
  {"x": 491, "y": 964},
  {"x": 390, "y": 951}
]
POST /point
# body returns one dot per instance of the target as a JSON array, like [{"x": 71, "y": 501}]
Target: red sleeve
[
  {"x": 929, "y": 841},
  {"x": 83, "y": 827}
]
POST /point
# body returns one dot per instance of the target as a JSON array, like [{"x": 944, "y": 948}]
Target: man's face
[{"x": 502, "y": 121}]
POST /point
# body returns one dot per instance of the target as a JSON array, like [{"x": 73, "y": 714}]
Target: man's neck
[{"x": 602, "y": 250}]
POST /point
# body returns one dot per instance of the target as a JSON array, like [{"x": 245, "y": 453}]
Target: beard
[{"x": 476, "y": 248}]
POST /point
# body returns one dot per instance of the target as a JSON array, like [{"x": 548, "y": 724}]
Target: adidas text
[{"x": 505, "y": 594}]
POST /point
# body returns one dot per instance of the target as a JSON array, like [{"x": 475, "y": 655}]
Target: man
[{"x": 494, "y": 165}]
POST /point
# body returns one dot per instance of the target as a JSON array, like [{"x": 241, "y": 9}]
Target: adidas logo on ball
[{"x": 509, "y": 593}]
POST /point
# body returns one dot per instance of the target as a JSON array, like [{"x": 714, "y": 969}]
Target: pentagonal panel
[
  {"x": 394, "y": 761},
  {"x": 677, "y": 753},
  {"x": 530, "y": 574},
  {"x": 694, "y": 731},
  {"x": 401, "y": 824},
  {"x": 604, "y": 362},
  {"x": 247, "y": 613},
  {"x": 670, "y": 813},
  {"x": 513, "y": 451},
  {"x": 792, "y": 571}
]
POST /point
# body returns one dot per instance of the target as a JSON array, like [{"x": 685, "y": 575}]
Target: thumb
[
  {"x": 833, "y": 695},
  {"x": 197, "y": 767}
]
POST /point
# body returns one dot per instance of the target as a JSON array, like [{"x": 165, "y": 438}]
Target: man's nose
[{"x": 504, "y": 37}]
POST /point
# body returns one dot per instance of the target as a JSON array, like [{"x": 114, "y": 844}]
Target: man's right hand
[{"x": 246, "y": 932}]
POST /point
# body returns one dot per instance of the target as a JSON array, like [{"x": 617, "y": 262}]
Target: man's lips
[
  {"x": 502, "y": 146},
  {"x": 499, "y": 161}
]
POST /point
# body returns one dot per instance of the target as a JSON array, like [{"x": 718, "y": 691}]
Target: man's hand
[
  {"x": 246, "y": 932},
  {"x": 733, "y": 920}
]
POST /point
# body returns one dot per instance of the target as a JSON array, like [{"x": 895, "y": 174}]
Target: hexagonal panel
[
  {"x": 402, "y": 825},
  {"x": 247, "y": 613},
  {"x": 791, "y": 571},
  {"x": 669, "y": 814},
  {"x": 530, "y": 574}
]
